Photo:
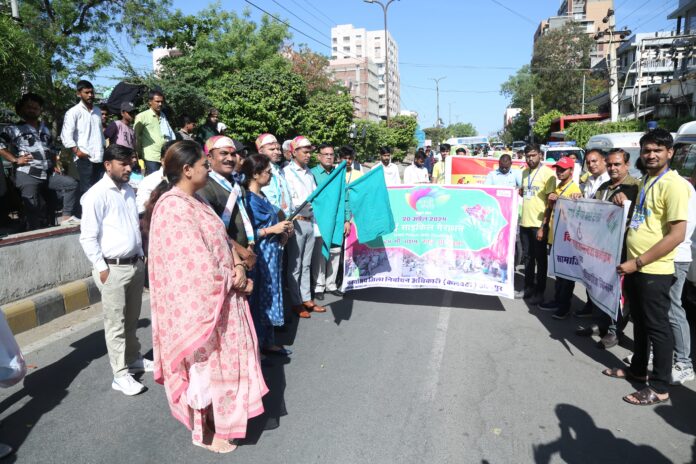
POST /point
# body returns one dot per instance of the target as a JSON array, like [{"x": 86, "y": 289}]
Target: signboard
[
  {"x": 459, "y": 238},
  {"x": 473, "y": 169},
  {"x": 588, "y": 236}
]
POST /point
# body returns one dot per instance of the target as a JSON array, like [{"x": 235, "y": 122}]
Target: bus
[{"x": 471, "y": 143}]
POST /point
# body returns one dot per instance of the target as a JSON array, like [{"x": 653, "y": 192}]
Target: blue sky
[{"x": 475, "y": 45}]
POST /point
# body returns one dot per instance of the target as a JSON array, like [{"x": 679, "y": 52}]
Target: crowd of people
[
  {"x": 223, "y": 239},
  {"x": 218, "y": 233},
  {"x": 655, "y": 258}
]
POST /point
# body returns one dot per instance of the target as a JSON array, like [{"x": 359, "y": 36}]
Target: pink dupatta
[{"x": 198, "y": 318}]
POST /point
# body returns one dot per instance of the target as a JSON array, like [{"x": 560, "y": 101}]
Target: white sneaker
[
  {"x": 71, "y": 221},
  {"x": 127, "y": 385},
  {"x": 141, "y": 365},
  {"x": 681, "y": 374}
]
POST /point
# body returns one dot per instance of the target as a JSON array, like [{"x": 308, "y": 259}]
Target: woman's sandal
[
  {"x": 217, "y": 446},
  {"x": 645, "y": 397},
  {"x": 619, "y": 373}
]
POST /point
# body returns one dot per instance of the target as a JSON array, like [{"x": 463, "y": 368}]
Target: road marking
[{"x": 438, "y": 350}]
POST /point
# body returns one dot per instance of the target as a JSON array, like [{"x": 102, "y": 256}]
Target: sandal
[
  {"x": 217, "y": 446},
  {"x": 645, "y": 397},
  {"x": 618, "y": 373}
]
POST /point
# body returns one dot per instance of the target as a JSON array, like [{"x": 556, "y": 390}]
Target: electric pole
[{"x": 437, "y": 91}]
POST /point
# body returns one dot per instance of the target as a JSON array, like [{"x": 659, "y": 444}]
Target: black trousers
[
  {"x": 648, "y": 295},
  {"x": 535, "y": 260}
]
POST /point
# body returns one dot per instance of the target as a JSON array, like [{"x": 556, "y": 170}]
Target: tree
[
  {"x": 401, "y": 132},
  {"x": 581, "y": 131},
  {"x": 436, "y": 134},
  {"x": 460, "y": 129},
  {"x": 519, "y": 88},
  {"x": 71, "y": 38},
  {"x": 19, "y": 60},
  {"x": 517, "y": 130},
  {"x": 312, "y": 67},
  {"x": 257, "y": 101},
  {"x": 327, "y": 117},
  {"x": 561, "y": 58},
  {"x": 542, "y": 127}
]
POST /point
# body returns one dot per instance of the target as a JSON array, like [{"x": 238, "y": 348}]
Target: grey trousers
[
  {"x": 677, "y": 317},
  {"x": 36, "y": 206},
  {"x": 325, "y": 271},
  {"x": 122, "y": 297},
  {"x": 300, "y": 248}
]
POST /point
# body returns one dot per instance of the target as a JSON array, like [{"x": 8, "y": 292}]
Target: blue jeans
[
  {"x": 90, "y": 173},
  {"x": 677, "y": 317}
]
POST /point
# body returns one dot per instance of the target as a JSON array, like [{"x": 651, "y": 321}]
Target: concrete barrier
[
  {"x": 43, "y": 307},
  {"x": 40, "y": 260}
]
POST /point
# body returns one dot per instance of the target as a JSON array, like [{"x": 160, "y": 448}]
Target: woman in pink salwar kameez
[{"x": 205, "y": 349}]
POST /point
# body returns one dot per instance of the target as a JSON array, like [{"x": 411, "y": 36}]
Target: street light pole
[
  {"x": 385, "y": 7},
  {"x": 437, "y": 91}
]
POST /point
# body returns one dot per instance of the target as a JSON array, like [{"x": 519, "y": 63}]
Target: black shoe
[
  {"x": 536, "y": 299},
  {"x": 319, "y": 296},
  {"x": 587, "y": 331},
  {"x": 561, "y": 313},
  {"x": 337, "y": 293},
  {"x": 583, "y": 313}
]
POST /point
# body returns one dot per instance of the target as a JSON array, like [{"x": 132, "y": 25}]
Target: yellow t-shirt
[
  {"x": 543, "y": 182},
  {"x": 563, "y": 192},
  {"x": 666, "y": 201},
  {"x": 439, "y": 173},
  {"x": 353, "y": 175}
]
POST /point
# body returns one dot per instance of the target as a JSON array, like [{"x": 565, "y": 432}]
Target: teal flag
[
  {"x": 369, "y": 203},
  {"x": 328, "y": 202}
]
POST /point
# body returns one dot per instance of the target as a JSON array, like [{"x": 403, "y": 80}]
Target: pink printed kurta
[{"x": 205, "y": 347}]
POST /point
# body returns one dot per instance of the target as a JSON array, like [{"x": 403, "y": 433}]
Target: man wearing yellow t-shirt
[
  {"x": 657, "y": 227},
  {"x": 563, "y": 291},
  {"x": 537, "y": 182},
  {"x": 439, "y": 168}
]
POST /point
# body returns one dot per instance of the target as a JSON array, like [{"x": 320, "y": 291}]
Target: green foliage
[
  {"x": 19, "y": 60},
  {"x": 460, "y": 129},
  {"x": 436, "y": 134},
  {"x": 181, "y": 98},
  {"x": 256, "y": 101},
  {"x": 71, "y": 37},
  {"x": 542, "y": 127},
  {"x": 401, "y": 132},
  {"x": 327, "y": 117},
  {"x": 517, "y": 130},
  {"x": 672, "y": 124},
  {"x": 519, "y": 88},
  {"x": 215, "y": 43},
  {"x": 558, "y": 63},
  {"x": 375, "y": 137},
  {"x": 582, "y": 131}
]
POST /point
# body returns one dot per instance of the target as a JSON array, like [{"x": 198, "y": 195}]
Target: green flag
[
  {"x": 328, "y": 203},
  {"x": 369, "y": 202}
]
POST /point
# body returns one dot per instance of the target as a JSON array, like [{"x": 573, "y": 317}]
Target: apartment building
[{"x": 351, "y": 43}]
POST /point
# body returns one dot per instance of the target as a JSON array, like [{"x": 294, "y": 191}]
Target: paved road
[{"x": 386, "y": 376}]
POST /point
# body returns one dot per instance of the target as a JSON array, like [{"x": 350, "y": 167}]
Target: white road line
[{"x": 438, "y": 350}]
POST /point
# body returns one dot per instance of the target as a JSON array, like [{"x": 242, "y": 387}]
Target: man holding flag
[{"x": 301, "y": 184}]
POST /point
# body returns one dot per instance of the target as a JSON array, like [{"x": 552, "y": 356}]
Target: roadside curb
[{"x": 46, "y": 306}]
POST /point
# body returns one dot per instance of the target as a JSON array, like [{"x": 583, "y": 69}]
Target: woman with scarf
[{"x": 205, "y": 349}]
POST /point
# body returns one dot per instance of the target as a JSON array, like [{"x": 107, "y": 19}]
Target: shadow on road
[
  {"x": 582, "y": 442},
  {"x": 427, "y": 297},
  {"x": 680, "y": 413}
]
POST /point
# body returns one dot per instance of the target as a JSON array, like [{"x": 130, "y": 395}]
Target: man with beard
[
  {"x": 82, "y": 134},
  {"x": 226, "y": 196},
  {"x": 209, "y": 127},
  {"x": 391, "y": 170},
  {"x": 110, "y": 237},
  {"x": 277, "y": 191},
  {"x": 439, "y": 167}
]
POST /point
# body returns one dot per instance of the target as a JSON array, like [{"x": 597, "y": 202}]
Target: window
[
  {"x": 334, "y": 39},
  {"x": 346, "y": 38},
  {"x": 334, "y": 49}
]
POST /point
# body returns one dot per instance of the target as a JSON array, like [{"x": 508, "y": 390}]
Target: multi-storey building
[
  {"x": 587, "y": 13},
  {"x": 360, "y": 76},
  {"x": 348, "y": 42}
]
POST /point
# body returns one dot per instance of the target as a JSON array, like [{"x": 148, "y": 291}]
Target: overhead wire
[
  {"x": 516, "y": 13},
  {"x": 305, "y": 22},
  {"x": 321, "y": 20},
  {"x": 320, "y": 11}
]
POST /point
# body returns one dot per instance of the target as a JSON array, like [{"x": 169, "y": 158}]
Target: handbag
[{"x": 13, "y": 368}]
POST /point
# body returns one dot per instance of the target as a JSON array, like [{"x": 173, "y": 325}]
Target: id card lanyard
[
  {"x": 639, "y": 213},
  {"x": 530, "y": 180}
]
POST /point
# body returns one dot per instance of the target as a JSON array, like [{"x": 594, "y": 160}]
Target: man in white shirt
[
  {"x": 151, "y": 181},
  {"x": 391, "y": 170},
  {"x": 504, "y": 175},
  {"x": 595, "y": 160},
  {"x": 110, "y": 238},
  {"x": 417, "y": 173},
  {"x": 82, "y": 134},
  {"x": 301, "y": 184}
]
